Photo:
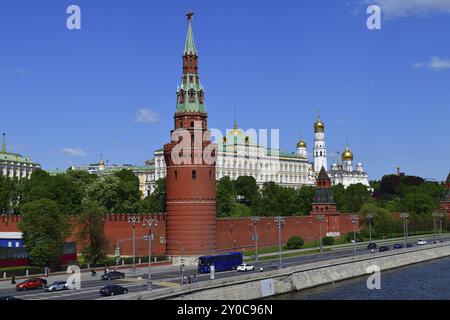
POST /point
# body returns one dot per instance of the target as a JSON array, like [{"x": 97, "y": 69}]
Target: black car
[
  {"x": 398, "y": 246},
  {"x": 9, "y": 298},
  {"x": 409, "y": 245},
  {"x": 384, "y": 248},
  {"x": 112, "y": 290},
  {"x": 372, "y": 245},
  {"x": 113, "y": 275}
]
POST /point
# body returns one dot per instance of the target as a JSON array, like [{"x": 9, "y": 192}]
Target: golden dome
[
  {"x": 347, "y": 155},
  {"x": 319, "y": 126},
  {"x": 301, "y": 144}
]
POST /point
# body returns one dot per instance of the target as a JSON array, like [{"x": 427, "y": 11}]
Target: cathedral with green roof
[{"x": 14, "y": 165}]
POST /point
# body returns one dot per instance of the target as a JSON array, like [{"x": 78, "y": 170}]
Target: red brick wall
[
  {"x": 116, "y": 228},
  {"x": 237, "y": 233},
  {"x": 231, "y": 233}
]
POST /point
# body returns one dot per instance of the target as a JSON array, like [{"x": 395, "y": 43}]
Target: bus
[{"x": 222, "y": 262}]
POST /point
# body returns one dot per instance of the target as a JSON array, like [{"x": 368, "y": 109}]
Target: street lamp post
[
  {"x": 150, "y": 223},
  {"x": 321, "y": 219},
  {"x": 369, "y": 218},
  {"x": 182, "y": 265},
  {"x": 404, "y": 216},
  {"x": 438, "y": 215},
  {"x": 255, "y": 221},
  {"x": 133, "y": 220},
  {"x": 279, "y": 221},
  {"x": 355, "y": 220}
]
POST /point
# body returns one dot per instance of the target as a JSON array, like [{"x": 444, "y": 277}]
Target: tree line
[{"x": 46, "y": 201}]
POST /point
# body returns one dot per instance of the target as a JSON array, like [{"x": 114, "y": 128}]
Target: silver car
[{"x": 57, "y": 286}]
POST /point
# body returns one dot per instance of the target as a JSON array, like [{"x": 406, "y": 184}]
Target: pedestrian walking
[
  {"x": 13, "y": 279},
  {"x": 189, "y": 279}
]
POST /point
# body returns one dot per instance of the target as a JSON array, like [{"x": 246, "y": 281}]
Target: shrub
[
  {"x": 328, "y": 241},
  {"x": 295, "y": 243},
  {"x": 349, "y": 237}
]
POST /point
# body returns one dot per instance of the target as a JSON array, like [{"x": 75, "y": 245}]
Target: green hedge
[
  {"x": 295, "y": 243},
  {"x": 328, "y": 241},
  {"x": 21, "y": 271}
]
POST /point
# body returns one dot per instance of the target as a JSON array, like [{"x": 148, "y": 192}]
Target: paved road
[{"x": 170, "y": 276}]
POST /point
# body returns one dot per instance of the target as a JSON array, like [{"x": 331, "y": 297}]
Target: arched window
[
  {"x": 191, "y": 96},
  {"x": 194, "y": 175}
]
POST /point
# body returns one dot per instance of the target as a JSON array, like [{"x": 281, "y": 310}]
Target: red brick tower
[
  {"x": 445, "y": 201},
  {"x": 323, "y": 199},
  {"x": 191, "y": 173}
]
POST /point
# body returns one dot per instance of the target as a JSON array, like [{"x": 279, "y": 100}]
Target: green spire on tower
[
  {"x": 190, "y": 94},
  {"x": 4, "y": 143},
  {"x": 189, "y": 48}
]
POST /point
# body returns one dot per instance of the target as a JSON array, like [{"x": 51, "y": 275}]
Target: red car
[{"x": 31, "y": 284}]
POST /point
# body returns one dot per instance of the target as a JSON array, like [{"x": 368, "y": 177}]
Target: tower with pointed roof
[
  {"x": 445, "y": 201},
  {"x": 320, "y": 149},
  {"x": 190, "y": 161},
  {"x": 324, "y": 202}
]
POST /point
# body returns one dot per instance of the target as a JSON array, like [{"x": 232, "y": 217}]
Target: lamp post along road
[
  {"x": 279, "y": 221},
  {"x": 321, "y": 219},
  {"x": 150, "y": 223},
  {"x": 404, "y": 216},
  {"x": 255, "y": 221},
  {"x": 355, "y": 220},
  {"x": 438, "y": 215},
  {"x": 369, "y": 219},
  {"x": 182, "y": 261},
  {"x": 133, "y": 220}
]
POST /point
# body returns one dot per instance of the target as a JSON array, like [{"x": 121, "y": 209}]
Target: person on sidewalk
[{"x": 13, "y": 279}]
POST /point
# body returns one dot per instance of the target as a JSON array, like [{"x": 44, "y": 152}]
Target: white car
[
  {"x": 245, "y": 267},
  {"x": 57, "y": 286},
  {"x": 421, "y": 242}
]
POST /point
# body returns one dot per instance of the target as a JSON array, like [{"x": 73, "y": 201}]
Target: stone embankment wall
[{"x": 260, "y": 285}]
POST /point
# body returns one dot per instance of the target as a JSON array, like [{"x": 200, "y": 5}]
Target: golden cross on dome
[{"x": 189, "y": 15}]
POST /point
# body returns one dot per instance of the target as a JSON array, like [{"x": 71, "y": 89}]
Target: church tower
[
  {"x": 191, "y": 173},
  {"x": 320, "y": 150}
]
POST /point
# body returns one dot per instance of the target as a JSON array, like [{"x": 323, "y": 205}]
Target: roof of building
[
  {"x": 323, "y": 175},
  {"x": 13, "y": 157}
]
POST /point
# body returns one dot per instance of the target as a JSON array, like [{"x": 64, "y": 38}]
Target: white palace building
[
  {"x": 13, "y": 165},
  {"x": 239, "y": 156}
]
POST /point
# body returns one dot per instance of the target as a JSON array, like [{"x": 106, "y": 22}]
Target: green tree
[
  {"x": 128, "y": 192},
  {"x": 60, "y": 188},
  {"x": 383, "y": 223},
  {"x": 226, "y": 197},
  {"x": 306, "y": 196},
  {"x": 104, "y": 193},
  {"x": 156, "y": 202},
  {"x": 45, "y": 230},
  {"x": 91, "y": 233},
  {"x": 355, "y": 196}
]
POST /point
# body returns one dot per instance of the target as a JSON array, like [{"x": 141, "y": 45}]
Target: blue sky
[{"x": 67, "y": 96}]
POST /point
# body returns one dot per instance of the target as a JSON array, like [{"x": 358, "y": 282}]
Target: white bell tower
[{"x": 320, "y": 150}]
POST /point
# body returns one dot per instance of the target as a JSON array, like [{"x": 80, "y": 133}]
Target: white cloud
[
  {"x": 401, "y": 8},
  {"x": 73, "y": 152},
  {"x": 146, "y": 116},
  {"x": 436, "y": 64}
]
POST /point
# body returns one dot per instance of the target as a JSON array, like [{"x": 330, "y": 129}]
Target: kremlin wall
[{"x": 233, "y": 234}]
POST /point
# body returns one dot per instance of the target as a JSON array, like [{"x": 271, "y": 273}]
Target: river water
[{"x": 425, "y": 281}]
